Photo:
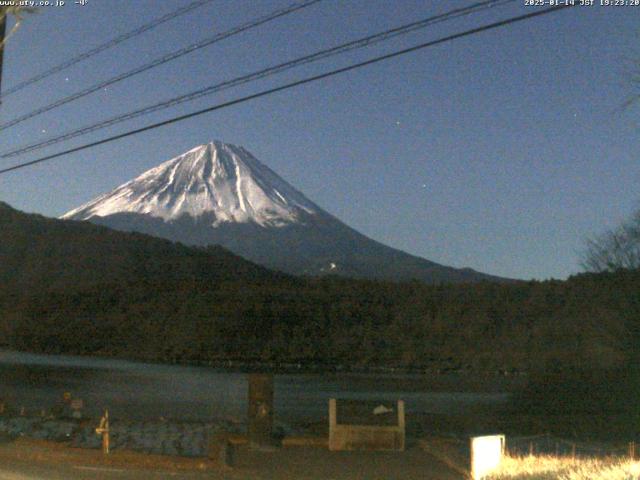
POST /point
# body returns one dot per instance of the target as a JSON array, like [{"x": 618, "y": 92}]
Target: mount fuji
[{"x": 219, "y": 193}]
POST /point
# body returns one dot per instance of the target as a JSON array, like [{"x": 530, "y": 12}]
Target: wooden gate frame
[{"x": 366, "y": 437}]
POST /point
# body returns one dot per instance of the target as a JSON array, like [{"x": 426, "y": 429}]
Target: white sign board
[{"x": 486, "y": 455}]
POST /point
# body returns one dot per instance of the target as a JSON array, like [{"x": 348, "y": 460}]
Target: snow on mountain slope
[
  {"x": 215, "y": 178},
  {"x": 219, "y": 194}
]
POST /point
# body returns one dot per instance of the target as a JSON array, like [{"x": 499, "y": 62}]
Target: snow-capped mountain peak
[{"x": 215, "y": 178}]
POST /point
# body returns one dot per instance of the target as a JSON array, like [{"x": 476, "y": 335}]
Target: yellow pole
[{"x": 103, "y": 429}]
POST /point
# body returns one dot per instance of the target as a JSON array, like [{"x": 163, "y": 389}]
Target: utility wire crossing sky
[
  {"x": 498, "y": 151},
  {"x": 159, "y": 61},
  {"x": 105, "y": 46},
  {"x": 322, "y": 54},
  {"x": 281, "y": 88}
]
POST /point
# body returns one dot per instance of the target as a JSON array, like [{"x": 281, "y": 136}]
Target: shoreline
[{"x": 275, "y": 368}]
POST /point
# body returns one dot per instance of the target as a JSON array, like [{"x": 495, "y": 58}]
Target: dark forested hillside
[
  {"x": 78, "y": 288},
  {"x": 38, "y": 252}
]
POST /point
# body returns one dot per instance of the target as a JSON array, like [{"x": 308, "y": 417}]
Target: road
[
  {"x": 32, "y": 460},
  {"x": 23, "y": 471}
]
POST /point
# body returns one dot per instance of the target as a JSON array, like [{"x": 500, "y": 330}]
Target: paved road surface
[
  {"x": 21, "y": 471},
  {"x": 24, "y": 461}
]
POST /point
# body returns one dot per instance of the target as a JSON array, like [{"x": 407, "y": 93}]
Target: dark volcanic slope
[{"x": 320, "y": 244}]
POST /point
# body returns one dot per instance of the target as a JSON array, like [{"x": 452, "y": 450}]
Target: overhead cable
[
  {"x": 104, "y": 46},
  {"x": 260, "y": 74},
  {"x": 287, "y": 86},
  {"x": 160, "y": 61}
]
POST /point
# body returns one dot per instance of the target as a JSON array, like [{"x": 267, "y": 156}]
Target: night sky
[{"x": 501, "y": 151}]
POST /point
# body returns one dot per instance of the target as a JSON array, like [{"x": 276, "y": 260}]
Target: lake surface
[{"x": 141, "y": 391}]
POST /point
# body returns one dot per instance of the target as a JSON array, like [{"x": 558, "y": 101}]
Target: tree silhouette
[
  {"x": 18, "y": 13},
  {"x": 616, "y": 249}
]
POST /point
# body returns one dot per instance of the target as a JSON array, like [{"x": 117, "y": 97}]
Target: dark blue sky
[{"x": 501, "y": 151}]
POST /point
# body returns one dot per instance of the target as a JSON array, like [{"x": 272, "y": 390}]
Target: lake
[{"x": 140, "y": 391}]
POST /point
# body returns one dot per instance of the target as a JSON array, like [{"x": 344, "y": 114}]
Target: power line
[
  {"x": 105, "y": 46},
  {"x": 162, "y": 60},
  {"x": 297, "y": 83},
  {"x": 319, "y": 55}
]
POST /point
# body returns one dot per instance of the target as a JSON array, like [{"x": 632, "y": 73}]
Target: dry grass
[{"x": 563, "y": 468}]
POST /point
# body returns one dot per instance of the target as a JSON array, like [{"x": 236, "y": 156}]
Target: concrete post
[
  {"x": 260, "y": 410},
  {"x": 221, "y": 450}
]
